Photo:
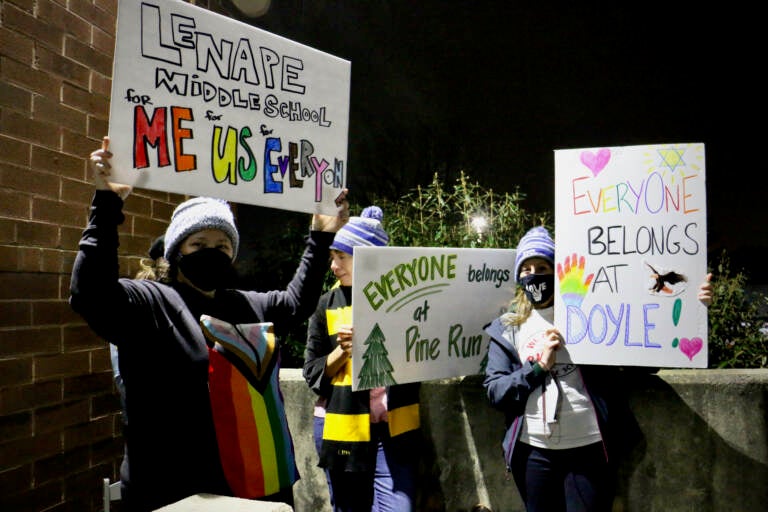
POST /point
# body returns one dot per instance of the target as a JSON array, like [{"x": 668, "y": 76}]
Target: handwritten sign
[
  {"x": 206, "y": 105},
  {"x": 631, "y": 253},
  {"x": 419, "y": 313}
]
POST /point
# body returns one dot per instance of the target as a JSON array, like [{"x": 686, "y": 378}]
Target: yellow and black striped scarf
[{"x": 347, "y": 432}]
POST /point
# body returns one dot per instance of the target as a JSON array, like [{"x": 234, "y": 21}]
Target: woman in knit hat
[
  {"x": 367, "y": 440},
  {"x": 559, "y": 445},
  {"x": 171, "y": 444}
]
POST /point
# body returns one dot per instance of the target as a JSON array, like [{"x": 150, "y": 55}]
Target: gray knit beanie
[{"x": 196, "y": 215}]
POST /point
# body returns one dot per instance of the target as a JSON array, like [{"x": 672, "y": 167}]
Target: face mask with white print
[{"x": 538, "y": 288}]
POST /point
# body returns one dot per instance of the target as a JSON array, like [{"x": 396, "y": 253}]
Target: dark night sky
[{"x": 492, "y": 88}]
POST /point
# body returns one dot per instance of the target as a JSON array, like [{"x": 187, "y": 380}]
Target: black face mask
[
  {"x": 539, "y": 288},
  {"x": 208, "y": 269}
]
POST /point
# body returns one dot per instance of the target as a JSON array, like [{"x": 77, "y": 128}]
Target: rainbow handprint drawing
[{"x": 573, "y": 286}]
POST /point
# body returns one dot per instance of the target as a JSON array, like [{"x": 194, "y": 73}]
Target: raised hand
[
  {"x": 332, "y": 223},
  {"x": 706, "y": 290},
  {"x": 101, "y": 168},
  {"x": 573, "y": 286}
]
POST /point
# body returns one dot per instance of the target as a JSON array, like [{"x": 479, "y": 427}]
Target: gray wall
[{"x": 707, "y": 445}]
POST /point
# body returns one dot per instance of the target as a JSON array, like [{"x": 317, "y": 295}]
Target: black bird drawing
[{"x": 662, "y": 280}]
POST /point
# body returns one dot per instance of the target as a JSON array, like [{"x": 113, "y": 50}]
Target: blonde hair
[
  {"x": 519, "y": 309},
  {"x": 154, "y": 270}
]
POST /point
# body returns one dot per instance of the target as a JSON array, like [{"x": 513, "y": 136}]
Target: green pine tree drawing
[{"x": 376, "y": 370}]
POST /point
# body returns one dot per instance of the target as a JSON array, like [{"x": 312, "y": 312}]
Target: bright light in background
[
  {"x": 479, "y": 223},
  {"x": 252, "y": 8}
]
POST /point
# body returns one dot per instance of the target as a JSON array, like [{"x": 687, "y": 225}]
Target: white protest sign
[
  {"x": 206, "y": 105},
  {"x": 418, "y": 313},
  {"x": 631, "y": 253}
]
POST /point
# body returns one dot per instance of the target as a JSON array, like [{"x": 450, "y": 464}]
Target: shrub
[
  {"x": 465, "y": 216},
  {"x": 737, "y": 338}
]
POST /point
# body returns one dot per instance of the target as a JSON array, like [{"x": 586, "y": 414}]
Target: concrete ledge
[{"x": 706, "y": 431}]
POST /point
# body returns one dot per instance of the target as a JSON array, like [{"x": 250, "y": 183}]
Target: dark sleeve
[
  {"x": 610, "y": 388},
  {"x": 319, "y": 345},
  {"x": 508, "y": 382},
  {"x": 288, "y": 307},
  {"x": 107, "y": 303},
  {"x": 635, "y": 372}
]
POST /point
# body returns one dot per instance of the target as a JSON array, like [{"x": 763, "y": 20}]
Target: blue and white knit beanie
[
  {"x": 196, "y": 215},
  {"x": 536, "y": 243},
  {"x": 364, "y": 230}
]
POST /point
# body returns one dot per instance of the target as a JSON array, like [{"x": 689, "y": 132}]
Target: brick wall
[{"x": 59, "y": 413}]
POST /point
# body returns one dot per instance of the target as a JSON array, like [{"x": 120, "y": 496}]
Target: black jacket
[{"x": 171, "y": 449}]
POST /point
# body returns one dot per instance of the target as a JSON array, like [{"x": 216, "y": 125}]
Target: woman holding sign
[
  {"x": 367, "y": 440},
  {"x": 559, "y": 444},
  {"x": 172, "y": 444}
]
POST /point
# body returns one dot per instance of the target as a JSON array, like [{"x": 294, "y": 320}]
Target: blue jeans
[
  {"x": 389, "y": 487},
  {"x": 572, "y": 480},
  {"x": 319, "y": 423}
]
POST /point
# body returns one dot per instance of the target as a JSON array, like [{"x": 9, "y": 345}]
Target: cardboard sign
[
  {"x": 206, "y": 105},
  {"x": 631, "y": 253},
  {"x": 418, "y": 313}
]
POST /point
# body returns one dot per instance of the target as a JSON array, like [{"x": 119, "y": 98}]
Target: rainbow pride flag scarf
[{"x": 255, "y": 445}]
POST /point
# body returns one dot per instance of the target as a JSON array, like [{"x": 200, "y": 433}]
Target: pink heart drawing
[
  {"x": 596, "y": 163},
  {"x": 691, "y": 347}
]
